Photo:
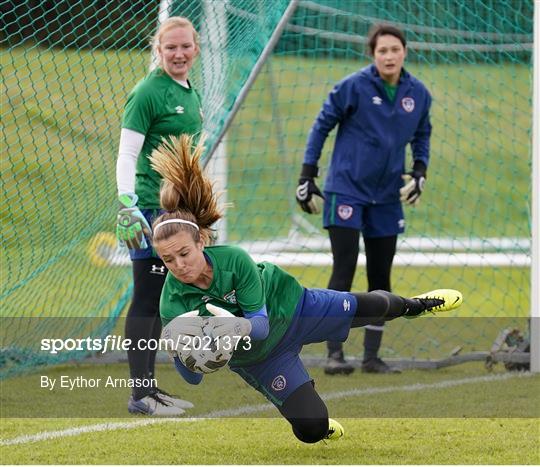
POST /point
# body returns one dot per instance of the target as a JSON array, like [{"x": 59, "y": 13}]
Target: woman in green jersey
[
  {"x": 164, "y": 103},
  {"x": 270, "y": 307}
]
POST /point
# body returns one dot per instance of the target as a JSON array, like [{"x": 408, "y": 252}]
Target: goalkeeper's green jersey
[
  {"x": 238, "y": 284},
  {"x": 159, "y": 107}
]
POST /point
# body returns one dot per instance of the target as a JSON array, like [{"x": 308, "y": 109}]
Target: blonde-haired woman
[{"x": 164, "y": 103}]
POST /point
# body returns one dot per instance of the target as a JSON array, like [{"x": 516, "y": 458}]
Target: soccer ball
[
  {"x": 205, "y": 356},
  {"x": 192, "y": 341}
]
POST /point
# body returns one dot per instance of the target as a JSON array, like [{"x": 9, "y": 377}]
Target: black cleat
[
  {"x": 337, "y": 365},
  {"x": 376, "y": 365}
]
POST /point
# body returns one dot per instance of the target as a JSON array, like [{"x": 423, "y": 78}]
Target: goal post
[{"x": 535, "y": 216}]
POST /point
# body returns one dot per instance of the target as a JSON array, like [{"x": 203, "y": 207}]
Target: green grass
[
  {"x": 367, "y": 441},
  {"x": 482, "y": 422},
  {"x": 226, "y": 390}
]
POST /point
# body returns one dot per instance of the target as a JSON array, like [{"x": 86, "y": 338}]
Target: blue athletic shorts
[
  {"x": 373, "y": 220},
  {"x": 320, "y": 315},
  {"x": 150, "y": 215}
]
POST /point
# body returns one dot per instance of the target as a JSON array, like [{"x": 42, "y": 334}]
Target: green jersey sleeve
[{"x": 139, "y": 111}]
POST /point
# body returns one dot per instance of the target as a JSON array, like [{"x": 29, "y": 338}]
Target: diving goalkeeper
[{"x": 270, "y": 306}]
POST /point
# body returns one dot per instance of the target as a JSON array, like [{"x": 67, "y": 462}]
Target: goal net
[{"x": 67, "y": 67}]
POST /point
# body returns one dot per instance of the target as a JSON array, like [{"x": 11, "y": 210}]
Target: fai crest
[
  {"x": 279, "y": 383},
  {"x": 230, "y": 297},
  {"x": 408, "y": 104},
  {"x": 344, "y": 211}
]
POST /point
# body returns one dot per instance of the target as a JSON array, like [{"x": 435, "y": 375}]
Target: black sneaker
[
  {"x": 337, "y": 365},
  {"x": 376, "y": 365}
]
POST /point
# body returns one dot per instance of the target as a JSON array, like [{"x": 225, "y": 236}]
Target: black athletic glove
[
  {"x": 414, "y": 184},
  {"x": 308, "y": 195}
]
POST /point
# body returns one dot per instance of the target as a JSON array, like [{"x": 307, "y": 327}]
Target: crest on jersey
[
  {"x": 408, "y": 104},
  {"x": 345, "y": 211},
  {"x": 279, "y": 383},
  {"x": 230, "y": 297}
]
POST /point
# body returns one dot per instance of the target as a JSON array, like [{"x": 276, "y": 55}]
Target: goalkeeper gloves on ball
[
  {"x": 308, "y": 195},
  {"x": 414, "y": 184},
  {"x": 189, "y": 324},
  {"x": 132, "y": 226},
  {"x": 224, "y": 323}
]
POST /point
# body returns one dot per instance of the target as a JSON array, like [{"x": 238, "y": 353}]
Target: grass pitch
[
  {"x": 457, "y": 415},
  {"x": 246, "y": 441}
]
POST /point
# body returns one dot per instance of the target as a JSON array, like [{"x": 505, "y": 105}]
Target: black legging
[
  {"x": 307, "y": 414},
  {"x": 380, "y": 254},
  {"x": 304, "y": 408},
  {"x": 143, "y": 321}
]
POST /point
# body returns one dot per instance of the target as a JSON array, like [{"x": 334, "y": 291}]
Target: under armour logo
[
  {"x": 179, "y": 109},
  {"x": 346, "y": 305},
  {"x": 376, "y": 100},
  {"x": 158, "y": 270}
]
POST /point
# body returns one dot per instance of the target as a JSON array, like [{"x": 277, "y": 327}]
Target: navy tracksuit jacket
[{"x": 369, "y": 153}]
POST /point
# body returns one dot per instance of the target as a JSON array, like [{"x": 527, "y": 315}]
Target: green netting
[
  {"x": 67, "y": 67},
  {"x": 471, "y": 230}
]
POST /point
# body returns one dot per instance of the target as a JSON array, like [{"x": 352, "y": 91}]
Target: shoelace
[
  {"x": 159, "y": 400},
  {"x": 425, "y": 302},
  {"x": 165, "y": 393}
]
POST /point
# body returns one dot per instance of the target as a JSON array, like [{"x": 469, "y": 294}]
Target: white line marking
[{"x": 249, "y": 409}]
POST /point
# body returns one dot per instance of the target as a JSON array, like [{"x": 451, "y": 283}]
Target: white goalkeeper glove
[
  {"x": 189, "y": 324},
  {"x": 413, "y": 188},
  {"x": 224, "y": 323}
]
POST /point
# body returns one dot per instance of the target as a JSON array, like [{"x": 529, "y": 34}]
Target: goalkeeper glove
[
  {"x": 224, "y": 323},
  {"x": 132, "y": 226},
  {"x": 414, "y": 184},
  {"x": 189, "y": 324},
  {"x": 308, "y": 195}
]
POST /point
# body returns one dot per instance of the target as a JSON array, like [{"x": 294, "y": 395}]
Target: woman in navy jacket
[{"x": 378, "y": 111}]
